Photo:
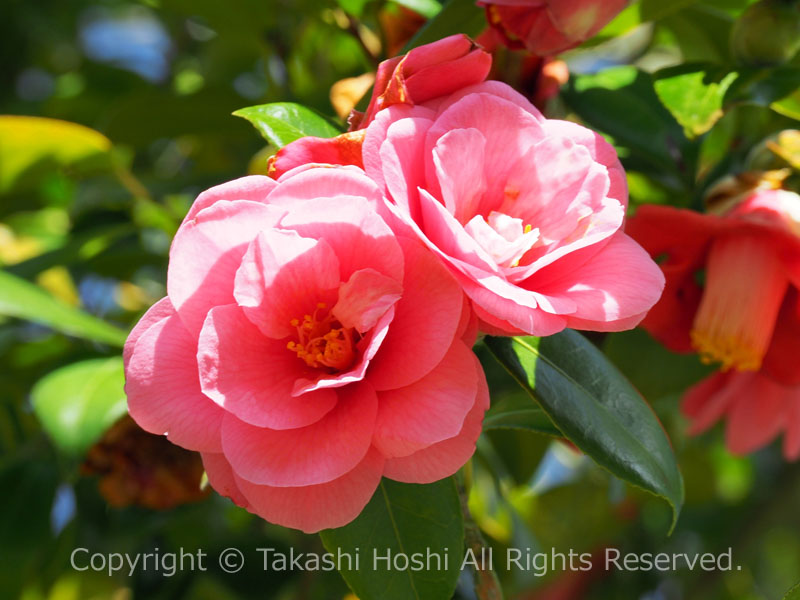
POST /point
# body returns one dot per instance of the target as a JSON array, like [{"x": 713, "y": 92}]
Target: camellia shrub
[{"x": 472, "y": 338}]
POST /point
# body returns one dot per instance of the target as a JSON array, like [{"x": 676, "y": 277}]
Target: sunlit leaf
[
  {"x": 32, "y": 146},
  {"x": 77, "y": 403},
  {"x": 596, "y": 408},
  {"x": 694, "y": 95},
  {"x": 405, "y": 519},
  {"x": 23, "y": 300},
  {"x": 284, "y": 122}
]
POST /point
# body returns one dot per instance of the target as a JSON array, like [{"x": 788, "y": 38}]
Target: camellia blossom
[
  {"x": 306, "y": 350},
  {"x": 749, "y": 252},
  {"x": 547, "y": 27},
  {"x": 526, "y": 212},
  {"x": 424, "y": 74}
]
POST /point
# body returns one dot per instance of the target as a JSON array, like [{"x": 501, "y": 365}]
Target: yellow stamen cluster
[{"x": 322, "y": 342}]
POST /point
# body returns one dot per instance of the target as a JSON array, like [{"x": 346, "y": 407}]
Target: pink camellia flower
[
  {"x": 526, "y": 212},
  {"x": 746, "y": 316},
  {"x": 422, "y": 75},
  {"x": 306, "y": 350},
  {"x": 548, "y": 27}
]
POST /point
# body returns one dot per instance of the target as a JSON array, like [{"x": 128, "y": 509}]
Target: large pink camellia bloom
[
  {"x": 746, "y": 316},
  {"x": 306, "y": 350},
  {"x": 548, "y": 27},
  {"x": 526, "y": 212}
]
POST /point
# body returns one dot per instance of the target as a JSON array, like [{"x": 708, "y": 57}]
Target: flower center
[
  {"x": 322, "y": 342},
  {"x": 504, "y": 238},
  {"x": 745, "y": 286}
]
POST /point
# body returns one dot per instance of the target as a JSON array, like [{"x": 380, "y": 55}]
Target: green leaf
[
  {"x": 285, "y": 122},
  {"x": 621, "y": 102},
  {"x": 517, "y": 412},
  {"x": 596, "y": 408},
  {"x": 426, "y": 8},
  {"x": 403, "y": 519},
  {"x": 33, "y": 146},
  {"x": 353, "y": 7},
  {"x": 78, "y": 403},
  {"x": 654, "y": 10},
  {"x": 788, "y": 106},
  {"x": 764, "y": 87},
  {"x": 793, "y": 594},
  {"x": 456, "y": 16},
  {"x": 694, "y": 95},
  {"x": 24, "y": 300}
]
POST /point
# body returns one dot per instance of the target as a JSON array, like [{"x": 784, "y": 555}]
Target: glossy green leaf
[
  {"x": 456, "y": 16},
  {"x": 694, "y": 95},
  {"x": 76, "y": 404},
  {"x": 621, "y": 102},
  {"x": 23, "y": 300},
  {"x": 596, "y": 408},
  {"x": 517, "y": 412},
  {"x": 30, "y": 147},
  {"x": 403, "y": 519},
  {"x": 764, "y": 87},
  {"x": 284, "y": 122}
]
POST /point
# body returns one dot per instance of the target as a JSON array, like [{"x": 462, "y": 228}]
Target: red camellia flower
[
  {"x": 748, "y": 251},
  {"x": 547, "y": 27}
]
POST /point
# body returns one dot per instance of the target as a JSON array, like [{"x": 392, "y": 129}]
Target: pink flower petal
[
  {"x": 358, "y": 236},
  {"x": 318, "y": 453},
  {"x": 446, "y": 457},
  {"x": 376, "y": 136},
  {"x": 402, "y": 166},
  {"x": 508, "y": 129},
  {"x": 493, "y": 88},
  {"x": 252, "y": 376},
  {"x": 160, "y": 310},
  {"x": 318, "y": 182},
  {"x": 206, "y": 253},
  {"x": 316, "y": 507},
  {"x": 425, "y": 321},
  {"x": 618, "y": 282},
  {"x": 428, "y": 411},
  {"x": 459, "y": 159},
  {"x": 222, "y": 479},
  {"x": 163, "y": 388},
  {"x": 599, "y": 148},
  {"x": 365, "y": 298},
  {"x": 255, "y": 188},
  {"x": 282, "y": 277}
]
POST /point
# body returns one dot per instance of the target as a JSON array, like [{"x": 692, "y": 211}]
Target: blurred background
[{"x": 87, "y": 212}]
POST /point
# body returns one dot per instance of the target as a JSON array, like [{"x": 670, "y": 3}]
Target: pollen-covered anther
[{"x": 322, "y": 342}]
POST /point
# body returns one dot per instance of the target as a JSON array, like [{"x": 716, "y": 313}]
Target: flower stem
[{"x": 487, "y": 586}]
